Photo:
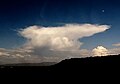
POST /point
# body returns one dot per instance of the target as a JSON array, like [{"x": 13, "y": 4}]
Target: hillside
[
  {"x": 82, "y": 67},
  {"x": 91, "y": 61}
]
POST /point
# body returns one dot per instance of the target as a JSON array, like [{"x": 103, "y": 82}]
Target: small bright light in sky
[{"x": 103, "y": 10}]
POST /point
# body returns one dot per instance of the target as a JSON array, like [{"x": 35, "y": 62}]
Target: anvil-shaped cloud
[
  {"x": 51, "y": 44},
  {"x": 59, "y": 38}
]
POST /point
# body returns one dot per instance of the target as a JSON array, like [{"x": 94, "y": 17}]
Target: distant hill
[
  {"x": 111, "y": 59},
  {"x": 105, "y": 60},
  {"x": 75, "y": 67},
  {"x": 31, "y": 64}
]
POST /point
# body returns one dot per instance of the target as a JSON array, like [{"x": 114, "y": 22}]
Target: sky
[{"x": 23, "y": 24}]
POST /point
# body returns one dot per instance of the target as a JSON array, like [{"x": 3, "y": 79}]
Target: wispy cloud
[
  {"x": 114, "y": 51},
  {"x": 3, "y": 52},
  {"x": 117, "y": 44}
]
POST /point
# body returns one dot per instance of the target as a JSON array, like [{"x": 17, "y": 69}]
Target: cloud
[
  {"x": 117, "y": 44},
  {"x": 100, "y": 51},
  {"x": 51, "y": 44},
  {"x": 114, "y": 51},
  {"x": 59, "y": 38},
  {"x": 3, "y": 52},
  {"x": 60, "y": 41},
  {"x": 21, "y": 56}
]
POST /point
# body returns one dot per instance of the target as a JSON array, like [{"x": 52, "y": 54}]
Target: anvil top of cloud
[
  {"x": 53, "y": 43},
  {"x": 63, "y": 37}
]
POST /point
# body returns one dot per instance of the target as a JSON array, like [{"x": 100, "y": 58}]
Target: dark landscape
[
  {"x": 91, "y": 66},
  {"x": 73, "y": 63},
  {"x": 98, "y": 60}
]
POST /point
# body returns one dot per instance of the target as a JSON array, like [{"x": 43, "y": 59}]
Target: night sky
[{"x": 18, "y": 14}]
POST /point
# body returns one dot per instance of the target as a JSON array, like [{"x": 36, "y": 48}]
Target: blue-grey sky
[{"x": 17, "y": 14}]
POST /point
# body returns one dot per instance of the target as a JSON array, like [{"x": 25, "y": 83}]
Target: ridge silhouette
[{"x": 104, "y": 66}]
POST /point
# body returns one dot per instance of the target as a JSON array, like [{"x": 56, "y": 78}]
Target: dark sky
[{"x": 17, "y": 14}]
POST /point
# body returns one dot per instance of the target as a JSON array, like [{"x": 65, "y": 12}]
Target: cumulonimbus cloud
[
  {"x": 60, "y": 38},
  {"x": 45, "y": 44}
]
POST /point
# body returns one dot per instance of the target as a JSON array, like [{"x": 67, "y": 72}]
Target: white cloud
[
  {"x": 114, "y": 51},
  {"x": 3, "y": 52},
  {"x": 59, "y": 38},
  {"x": 51, "y": 43},
  {"x": 117, "y": 44},
  {"x": 61, "y": 41},
  {"x": 100, "y": 51}
]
